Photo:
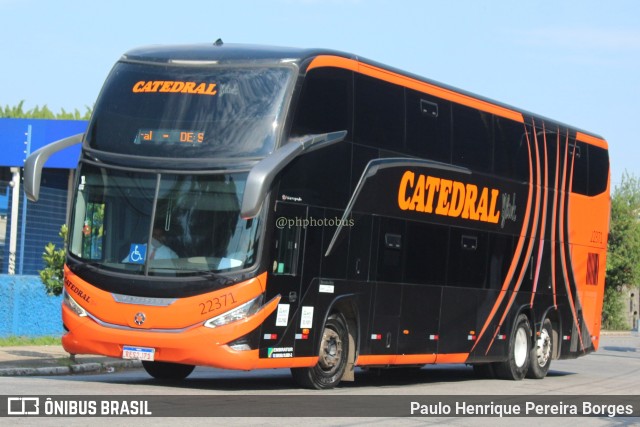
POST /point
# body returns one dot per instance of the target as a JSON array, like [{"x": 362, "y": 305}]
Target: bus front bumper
[{"x": 197, "y": 345}]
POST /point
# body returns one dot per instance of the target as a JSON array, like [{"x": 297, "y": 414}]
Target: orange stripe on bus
[
  {"x": 592, "y": 140},
  {"x": 563, "y": 254},
  {"x": 411, "y": 83},
  {"x": 544, "y": 216},
  {"x": 514, "y": 261},
  {"x": 411, "y": 359},
  {"x": 376, "y": 359},
  {"x": 521, "y": 242},
  {"x": 334, "y": 61},
  {"x": 531, "y": 239},
  {"x": 553, "y": 222},
  {"x": 452, "y": 358},
  {"x": 292, "y": 362}
]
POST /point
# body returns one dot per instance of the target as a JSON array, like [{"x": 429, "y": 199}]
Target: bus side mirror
[
  {"x": 35, "y": 162},
  {"x": 261, "y": 176}
]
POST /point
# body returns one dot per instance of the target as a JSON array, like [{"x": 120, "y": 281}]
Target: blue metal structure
[
  {"x": 37, "y": 224},
  {"x": 15, "y": 133}
]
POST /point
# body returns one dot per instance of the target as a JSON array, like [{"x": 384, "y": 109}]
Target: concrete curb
[
  {"x": 81, "y": 368},
  {"x": 619, "y": 333}
]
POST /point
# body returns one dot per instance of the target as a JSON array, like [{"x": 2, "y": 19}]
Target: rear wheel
[
  {"x": 167, "y": 370},
  {"x": 517, "y": 364},
  {"x": 332, "y": 362},
  {"x": 540, "y": 358}
]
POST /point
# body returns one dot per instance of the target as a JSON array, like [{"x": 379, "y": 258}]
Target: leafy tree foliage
[
  {"x": 612, "y": 310},
  {"x": 623, "y": 264},
  {"x": 18, "y": 112},
  {"x": 52, "y": 275},
  {"x": 623, "y": 258}
]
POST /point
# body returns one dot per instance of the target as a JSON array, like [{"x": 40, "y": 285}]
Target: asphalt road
[{"x": 613, "y": 370}]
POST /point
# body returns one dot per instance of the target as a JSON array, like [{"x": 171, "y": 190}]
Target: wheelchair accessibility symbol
[{"x": 137, "y": 253}]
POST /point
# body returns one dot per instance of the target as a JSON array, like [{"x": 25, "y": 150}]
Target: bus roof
[{"x": 221, "y": 53}]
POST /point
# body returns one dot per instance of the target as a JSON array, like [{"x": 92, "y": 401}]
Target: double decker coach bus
[{"x": 248, "y": 207}]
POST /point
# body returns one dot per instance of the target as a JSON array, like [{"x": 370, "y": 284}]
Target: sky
[{"x": 577, "y": 62}]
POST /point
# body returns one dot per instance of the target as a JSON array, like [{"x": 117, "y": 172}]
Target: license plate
[{"x": 138, "y": 353}]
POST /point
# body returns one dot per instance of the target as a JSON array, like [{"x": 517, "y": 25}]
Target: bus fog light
[
  {"x": 72, "y": 304},
  {"x": 242, "y": 312},
  {"x": 251, "y": 341},
  {"x": 240, "y": 347}
]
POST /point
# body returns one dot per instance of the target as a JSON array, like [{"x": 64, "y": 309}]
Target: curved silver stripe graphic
[{"x": 129, "y": 328}]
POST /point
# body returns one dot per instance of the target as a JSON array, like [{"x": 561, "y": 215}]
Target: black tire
[
  {"x": 484, "y": 370},
  {"x": 541, "y": 353},
  {"x": 167, "y": 370},
  {"x": 517, "y": 364},
  {"x": 334, "y": 350}
]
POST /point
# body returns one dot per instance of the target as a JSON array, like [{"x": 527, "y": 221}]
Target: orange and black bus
[{"x": 249, "y": 207}]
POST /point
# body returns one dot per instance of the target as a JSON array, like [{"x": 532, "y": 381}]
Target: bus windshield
[
  {"x": 159, "y": 223},
  {"x": 189, "y": 112}
]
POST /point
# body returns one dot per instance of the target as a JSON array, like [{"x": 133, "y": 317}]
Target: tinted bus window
[
  {"x": 467, "y": 258},
  {"x": 598, "y": 170},
  {"x": 501, "y": 250},
  {"x": 379, "y": 115},
  {"x": 472, "y": 138},
  {"x": 189, "y": 112},
  {"x": 510, "y": 152},
  {"x": 325, "y": 102},
  {"x": 580, "y": 181},
  {"x": 287, "y": 247},
  {"x": 428, "y": 127},
  {"x": 361, "y": 156},
  {"x": 552, "y": 155},
  {"x": 391, "y": 246},
  {"x": 330, "y": 188},
  {"x": 426, "y": 259}
]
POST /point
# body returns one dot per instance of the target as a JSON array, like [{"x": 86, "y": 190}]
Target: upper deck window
[{"x": 189, "y": 112}]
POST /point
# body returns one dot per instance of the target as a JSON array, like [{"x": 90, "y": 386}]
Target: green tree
[
  {"x": 18, "y": 112},
  {"x": 612, "y": 310},
  {"x": 623, "y": 258},
  {"x": 52, "y": 275}
]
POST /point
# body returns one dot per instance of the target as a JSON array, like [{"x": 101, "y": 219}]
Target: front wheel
[
  {"x": 517, "y": 364},
  {"x": 540, "y": 358},
  {"x": 167, "y": 370},
  {"x": 332, "y": 362}
]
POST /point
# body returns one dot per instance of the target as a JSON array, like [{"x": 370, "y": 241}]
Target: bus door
[{"x": 285, "y": 273}]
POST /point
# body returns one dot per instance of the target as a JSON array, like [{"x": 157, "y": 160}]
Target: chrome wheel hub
[
  {"x": 331, "y": 350},
  {"x": 543, "y": 348}
]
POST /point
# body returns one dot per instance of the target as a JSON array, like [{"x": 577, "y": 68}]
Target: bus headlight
[
  {"x": 242, "y": 312},
  {"x": 72, "y": 304}
]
